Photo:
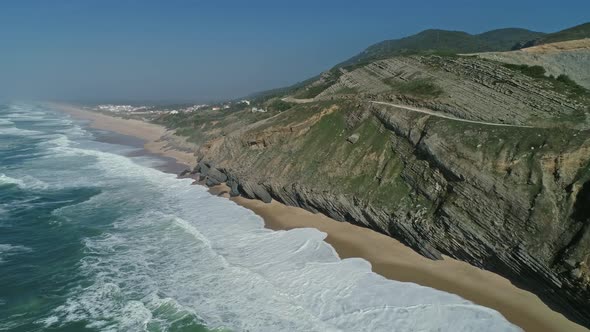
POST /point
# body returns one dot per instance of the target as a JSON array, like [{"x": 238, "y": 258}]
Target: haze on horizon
[{"x": 197, "y": 51}]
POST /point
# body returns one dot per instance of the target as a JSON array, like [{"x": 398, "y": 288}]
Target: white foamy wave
[
  {"x": 5, "y": 122},
  {"x": 18, "y": 107},
  {"x": 57, "y": 140},
  {"x": 29, "y": 117},
  {"x": 5, "y": 180},
  {"x": 75, "y": 131},
  {"x": 27, "y": 153},
  {"x": 7, "y": 250},
  {"x": 118, "y": 166},
  {"x": 13, "y": 131},
  {"x": 25, "y": 112},
  {"x": 102, "y": 298},
  {"x": 55, "y": 122},
  {"x": 25, "y": 182},
  {"x": 218, "y": 263}
]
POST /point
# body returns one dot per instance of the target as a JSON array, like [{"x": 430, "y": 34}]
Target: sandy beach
[
  {"x": 152, "y": 134},
  {"x": 387, "y": 256}
]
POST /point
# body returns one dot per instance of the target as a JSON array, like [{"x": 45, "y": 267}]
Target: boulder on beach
[
  {"x": 233, "y": 188},
  {"x": 211, "y": 182},
  {"x": 262, "y": 194},
  {"x": 184, "y": 173},
  {"x": 254, "y": 191},
  {"x": 217, "y": 175}
]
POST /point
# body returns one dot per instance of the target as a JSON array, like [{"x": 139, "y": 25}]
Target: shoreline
[
  {"x": 388, "y": 257},
  {"x": 150, "y": 133}
]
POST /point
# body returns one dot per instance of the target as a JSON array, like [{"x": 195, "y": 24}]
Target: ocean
[{"x": 95, "y": 237}]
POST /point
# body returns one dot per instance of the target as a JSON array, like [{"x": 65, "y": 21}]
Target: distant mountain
[
  {"x": 506, "y": 39},
  {"x": 437, "y": 41},
  {"x": 578, "y": 32}
]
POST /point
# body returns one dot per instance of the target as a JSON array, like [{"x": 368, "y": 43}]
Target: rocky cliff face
[
  {"x": 570, "y": 58},
  {"x": 511, "y": 200},
  {"x": 467, "y": 87}
]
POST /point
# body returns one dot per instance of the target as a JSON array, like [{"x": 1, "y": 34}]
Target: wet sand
[{"x": 387, "y": 256}]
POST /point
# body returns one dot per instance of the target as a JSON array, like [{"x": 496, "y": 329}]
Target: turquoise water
[{"x": 94, "y": 240}]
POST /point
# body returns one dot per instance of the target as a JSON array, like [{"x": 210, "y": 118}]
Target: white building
[{"x": 121, "y": 108}]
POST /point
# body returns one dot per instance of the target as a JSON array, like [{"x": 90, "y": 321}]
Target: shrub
[
  {"x": 423, "y": 88},
  {"x": 280, "y": 105},
  {"x": 532, "y": 71}
]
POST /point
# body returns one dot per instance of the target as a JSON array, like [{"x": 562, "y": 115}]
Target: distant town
[{"x": 144, "y": 110}]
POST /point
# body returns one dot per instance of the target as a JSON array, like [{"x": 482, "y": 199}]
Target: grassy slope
[
  {"x": 578, "y": 32},
  {"x": 368, "y": 168},
  {"x": 507, "y": 38}
]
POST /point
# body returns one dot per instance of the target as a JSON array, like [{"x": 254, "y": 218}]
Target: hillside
[
  {"x": 570, "y": 58},
  {"x": 463, "y": 156},
  {"x": 578, "y": 32},
  {"x": 433, "y": 41},
  {"x": 426, "y": 42},
  {"x": 436, "y": 41},
  {"x": 505, "y": 39}
]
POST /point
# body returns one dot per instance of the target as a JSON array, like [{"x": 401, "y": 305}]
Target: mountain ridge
[{"x": 580, "y": 31}]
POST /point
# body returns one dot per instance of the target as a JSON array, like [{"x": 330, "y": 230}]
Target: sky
[{"x": 185, "y": 51}]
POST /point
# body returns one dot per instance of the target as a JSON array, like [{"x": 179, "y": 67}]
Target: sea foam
[
  {"x": 7, "y": 250},
  {"x": 214, "y": 259},
  {"x": 26, "y": 182}
]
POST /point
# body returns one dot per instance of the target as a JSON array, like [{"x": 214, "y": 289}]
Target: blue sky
[{"x": 201, "y": 50}]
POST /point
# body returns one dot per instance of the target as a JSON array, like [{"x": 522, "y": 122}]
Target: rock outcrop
[
  {"x": 468, "y": 88},
  {"x": 353, "y": 138},
  {"x": 569, "y": 58}
]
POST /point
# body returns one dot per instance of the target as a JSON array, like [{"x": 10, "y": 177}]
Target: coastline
[
  {"x": 387, "y": 256},
  {"x": 152, "y": 134}
]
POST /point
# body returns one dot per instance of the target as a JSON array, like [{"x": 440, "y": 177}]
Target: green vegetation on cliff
[
  {"x": 562, "y": 83},
  {"x": 326, "y": 80},
  {"x": 532, "y": 71},
  {"x": 578, "y": 32},
  {"x": 421, "y": 88},
  {"x": 368, "y": 168}
]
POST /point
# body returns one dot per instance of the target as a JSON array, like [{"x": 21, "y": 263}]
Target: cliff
[{"x": 464, "y": 156}]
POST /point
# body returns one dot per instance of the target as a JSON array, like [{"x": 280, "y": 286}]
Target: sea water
[{"x": 94, "y": 240}]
